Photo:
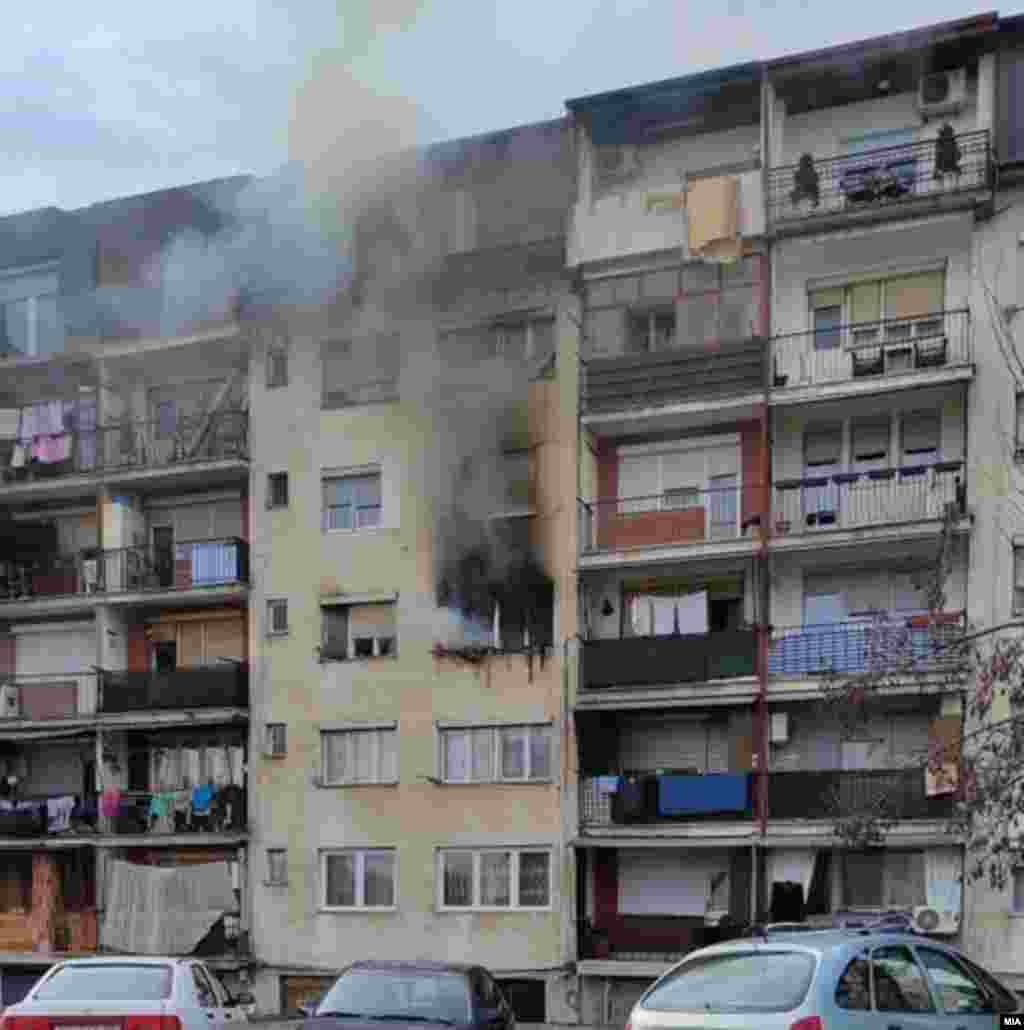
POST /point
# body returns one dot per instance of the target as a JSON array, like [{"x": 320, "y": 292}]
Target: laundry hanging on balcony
[{"x": 712, "y": 206}]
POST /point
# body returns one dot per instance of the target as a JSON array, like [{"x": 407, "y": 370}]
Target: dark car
[{"x": 412, "y": 994}]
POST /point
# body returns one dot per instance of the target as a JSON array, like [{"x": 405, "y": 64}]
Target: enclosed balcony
[
  {"x": 872, "y": 352},
  {"x": 665, "y": 660},
  {"x": 917, "y": 177},
  {"x": 891, "y": 641},
  {"x": 823, "y": 794},
  {"x": 862, "y": 500},
  {"x": 212, "y": 686},
  {"x": 42, "y": 698}
]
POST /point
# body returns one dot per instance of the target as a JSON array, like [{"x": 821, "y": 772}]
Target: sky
[{"x": 118, "y": 98}]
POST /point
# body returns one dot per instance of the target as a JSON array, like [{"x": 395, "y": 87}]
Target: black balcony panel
[{"x": 214, "y": 686}]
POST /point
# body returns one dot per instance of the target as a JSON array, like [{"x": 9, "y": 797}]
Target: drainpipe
[{"x": 763, "y": 582}]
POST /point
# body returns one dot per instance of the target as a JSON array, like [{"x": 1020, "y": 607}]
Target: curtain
[
  {"x": 341, "y": 880},
  {"x": 911, "y": 296},
  {"x": 335, "y": 752},
  {"x": 865, "y": 302},
  {"x": 378, "y": 878},
  {"x": 534, "y": 876},
  {"x": 943, "y": 868},
  {"x": 214, "y": 562},
  {"x": 495, "y": 870},
  {"x": 456, "y": 756},
  {"x": 458, "y": 878},
  {"x": 922, "y": 433},
  {"x": 513, "y": 753}
]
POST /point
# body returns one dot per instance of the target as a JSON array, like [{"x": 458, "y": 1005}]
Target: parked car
[
  {"x": 825, "y": 980},
  {"x": 134, "y": 993},
  {"x": 369, "y": 993}
]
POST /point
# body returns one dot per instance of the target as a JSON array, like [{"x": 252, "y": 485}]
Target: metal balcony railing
[
  {"x": 831, "y": 793},
  {"x": 883, "y": 177},
  {"x": 677, "y": 517},
  {"x": 853, "y": 500},
  {"x": 888, "y": 642},
  {"x": 192, "y": 564},
  {"x": 878, "y": 349},
  {"x": 126, "y": 446},
  {"x": 681, "y": 658},
  {"x": 650, "y": 798},
  {"x": 225, "y": 685}
]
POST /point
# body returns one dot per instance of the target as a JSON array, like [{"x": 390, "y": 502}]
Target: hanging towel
[
  {"x": 58, "y": 813},
  {"x": 201, "y": 798},
  {"x": 110, "y": 803}
]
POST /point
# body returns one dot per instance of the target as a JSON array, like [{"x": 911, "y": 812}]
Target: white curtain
[
  {"x": 792, "y": 865},
  {"x": 943, "y": 868}
]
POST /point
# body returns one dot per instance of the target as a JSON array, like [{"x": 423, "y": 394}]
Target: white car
[{"x": 128, "y": 993}]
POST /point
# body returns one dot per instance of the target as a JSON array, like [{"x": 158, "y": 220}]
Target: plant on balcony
[
  {"x": 862, "y": 828},
  {"x": 806, "y": 183},
  {"x": 947, "y": 152}
]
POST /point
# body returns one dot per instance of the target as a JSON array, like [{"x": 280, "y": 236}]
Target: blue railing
[{"x": 864, "y": 645}]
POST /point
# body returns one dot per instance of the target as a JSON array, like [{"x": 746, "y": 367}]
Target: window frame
[
  {"x": 277, "y": 487},
  {"x": 272, "y": 880},
  {"x": 1017, "y": 597},
  {"x": 514, "y": 852},
  {"x": 277, "y": 604},
  {"x": 885, "y": 876},
  {"x": 650, "y": 316},
  {"x": 375, "y": 732},
  {"x": 327, "y": 656},
  {"x": 369, "y": 472},
  {"x": 496, "y": 732},
  {"x": 37, "y": 283},
  {"x": 271, "y": 729},
  {"x": 360, "y": 855},
  {"x": 277, "y": 366}
]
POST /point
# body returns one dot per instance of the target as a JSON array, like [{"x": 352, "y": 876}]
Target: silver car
[{"x": 825, "y": 980}]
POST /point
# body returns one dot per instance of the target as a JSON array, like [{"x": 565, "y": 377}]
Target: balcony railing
[
  {"x": 854, "y": 500},
  {"x": 676, "y": 376},
  {"x": 887, "y": 642},
  {"x": 47, "y": 696},
  {"x": 872, "y": 350},
  {"x": 130, "y": 445},
  {"x": 215, "y": 686},
  {"x": 885, "y": 177},
  {"x": 674, "y": 518},
  {"x": 647, "y": 798},
  {"x": 684, "y": 658},
  {"x": 191, "y": 565},
  {"x": 831, "y": 794}
]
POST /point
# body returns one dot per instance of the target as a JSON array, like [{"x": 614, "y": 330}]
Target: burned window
[
  {"x": 76, "y": 869},
  {"x": 355, "y": 631},
  {"x": 360, "y": 370},
  {"x": 651, "y": 331}
]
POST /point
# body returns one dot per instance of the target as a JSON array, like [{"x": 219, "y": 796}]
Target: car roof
[
  {"x": 125, "y": 960},
  {"x": 821, "y": 941},
  {"x": 414, "y": 965}
]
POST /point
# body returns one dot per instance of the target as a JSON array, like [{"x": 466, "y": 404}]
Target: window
[
  {"x": 1018, "y": 890},
  {"x": 1018, "y": 579},
  {"x": 277, "y": 490},
  {"x": 1020, "y": 425},
  {"x": 883, "y": 879},
  {"x": 277, "y": 739},
  {"x": 499, "y": 878},
  {"x": 359, "y": 879},
  {"x": 870, "y": 443},
  {"x": 359, "y": 756},
  {"x": 899, "y": 983},
  {"x": 205, "y": 994},
  {"x": 357, "y": 631},
  {"x": 361, "y": 370},
  {"x": 921, "y": 438},
  {"x": 16, "y": 883},
  {"x": 107, "y": 982},
  {"x": 827, "y": 320},
  {"x": 277, "y": 618},
  {"x": 30, "y": 319},
  {"x": 277, "y": 367},
  {"x": 352, "y": 502},
  {"x": 277, "y": 867},
  {"x": 854, "y": 988},
  {"x": 678, "y": 477},
  {"x": 958, "y": 992},
  {"x": 652, "y": 331},
  {"x": 492, "y": 754},
  {"x": 524, "y": 339}
]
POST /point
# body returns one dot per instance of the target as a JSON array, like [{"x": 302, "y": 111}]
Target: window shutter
[
  {"x": 722, "y": 461},
  {"x": 227, "y": 519},
  {"x": 921, "y": 431},
  {"x": 638, "y": 477},
  {"x": 372, "y": 620},
  {"x": 871, "y": 439},
  {"x": 682, "y": 468},
  {"x": 865, "y": 302},
  {"x": 823, "y": 446},
  {"x": 225, "y": 639},
  {"x": 190, "y": 644},
  {"x": 832, "y": 298},
  {"x": 911, "y": 296}
]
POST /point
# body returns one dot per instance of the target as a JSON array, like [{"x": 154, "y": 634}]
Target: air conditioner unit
[
  {"x": 10, "y": 702},
  {"x": 942, "y": 93},
  {"x": 779, "y": 728},
  {"x": 932, "y": 920}
]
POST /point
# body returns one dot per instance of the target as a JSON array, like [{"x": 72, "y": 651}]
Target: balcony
[
  {"x": 654, "y": 661},
  {"x": 685, "y": 375},
  {"x": 685, "y": 518},
  {"x": 645, "y": 798},
  {"x": 127, "y": 448},
  {"x": 215, "y": 686},
  {"x": 862, "y": 500},
  {"x": 887, "y": 642},
  {"x": 814, "y": 795},
  {"x": 194, "y": 565},
  {"x": 874, "y": 354},
  {"x": 43, "y": 698},
  {"x": 888, "y": 182}
]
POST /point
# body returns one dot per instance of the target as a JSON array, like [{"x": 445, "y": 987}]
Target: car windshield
[
  {"x": 102, "y": 981},
  {"x": 382, "y": 993},
  {"x": 738, "y": 981}
]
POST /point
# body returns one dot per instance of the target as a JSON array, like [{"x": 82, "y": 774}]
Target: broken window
[
  {"x": 360, "y": 370},
  {"x": 354, "y": 631}
]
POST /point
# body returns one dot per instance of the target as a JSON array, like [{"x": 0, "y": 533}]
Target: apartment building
[
  {"x": 412, "y": 583},
  {"x": 123, "y": 589}
]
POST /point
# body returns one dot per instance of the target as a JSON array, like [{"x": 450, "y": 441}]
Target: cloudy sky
[{"x": 114, "y": 98}]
